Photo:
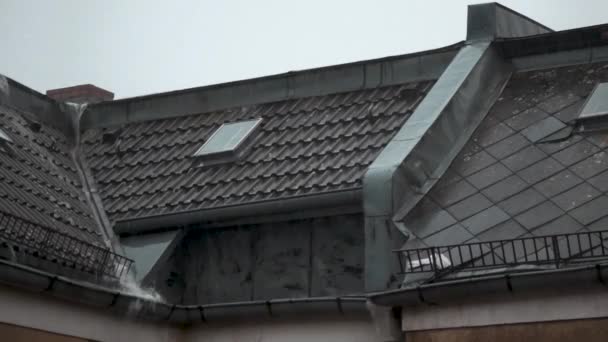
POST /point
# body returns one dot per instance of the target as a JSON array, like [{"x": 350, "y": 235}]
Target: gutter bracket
[
  {"x": 509, "y": 284},
  {"x": 339, "y": 304},
  {"x": 51, "y": 284},
  {"x": 600, "y": 277},
  {"x": 201, "y": 310}
]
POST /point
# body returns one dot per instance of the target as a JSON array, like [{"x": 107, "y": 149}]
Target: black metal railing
[
  {"x": 48, "y": 244},
  {"x": 557, "y": 250}
]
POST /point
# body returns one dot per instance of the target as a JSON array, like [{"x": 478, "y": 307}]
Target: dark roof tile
[
  {"x": 495, "y": 133},
  {"x": 558, "y": 102},
  {"x": 552, "y": 147},
  {"x": 540, "y": 170},
  {"x": 562, "y": 225},
  {"x": 508, "y": 146},
  {"x": 524, "y": 158},
  {"x": 599, "y": 139},
  {"x": 576, "y": 196},
  {"x": 310, "y": 145},
  {"x": 505, "y": 188},
  {"x": 468, "y": 164},
  {"x": 526, "y": 118},
  {"x": 428, "y": 218},
  {"x": 485, "y": 220},
  {"x": 600, "y": 181},
  {"x": 557, "y": 183},
  {"x": 452, "y": 235},
  {"x": 452, "y": 193},
  {"x": 575, "y": 153},
  {"x": 539, "y": 215},
  {"x": 542, "y": 128},
  {"x": 521, "y": 201},
  {"x": 546, "y": 195},
  {"x": 591, "y": 211},
  {"x": 504, "y": 231},
  {"x": 469, "y": 206},
  {"x": 570, "y": 113},
  {"x": 592, "y": 165},
  {"x": 489, "y": 176}
]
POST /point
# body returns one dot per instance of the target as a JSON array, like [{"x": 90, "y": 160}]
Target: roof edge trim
[
  {"x": 300, "y": 203},
  {"x": 448, "y": 290},
  {"x": 36, "y": 106},
  {"x": 492, "y": 20},
  {"x": 427, "y": 65}
]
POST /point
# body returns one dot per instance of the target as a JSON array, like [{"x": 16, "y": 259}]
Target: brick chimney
[{"x": 85, "y": 93}]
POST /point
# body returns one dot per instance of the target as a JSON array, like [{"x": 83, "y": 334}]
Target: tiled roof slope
[
  {"x": 524, "y": 172},
  {"x": 304, "y": 146},
  {"x": 39, "y": 182}
]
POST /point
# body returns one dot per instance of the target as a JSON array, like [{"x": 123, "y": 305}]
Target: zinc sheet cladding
[
  {"x": 39, "y": 182},
  {"x": 303, "y": 146},
  {"x": 526, "y": 171}
]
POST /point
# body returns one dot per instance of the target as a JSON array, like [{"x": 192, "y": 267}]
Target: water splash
[{"x": 130, "y": 286}]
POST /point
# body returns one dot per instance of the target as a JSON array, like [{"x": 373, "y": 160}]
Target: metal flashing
[
  {"x": 149, "y": 250},
  {"x": 492, "y": 20},
  {"x": 421, "y": 151},
  {"x": 5, "y": 137},
  {"x": 594, "y": 114}
]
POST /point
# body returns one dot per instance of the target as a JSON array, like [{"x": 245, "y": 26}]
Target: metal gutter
[
  {"x": 142, "y": 308},
  {"x": 209, "y": 216},
  {"x": 437, "y": 293}
]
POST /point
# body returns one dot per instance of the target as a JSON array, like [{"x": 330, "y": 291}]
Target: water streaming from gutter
[{"x": 128, "y": 284}]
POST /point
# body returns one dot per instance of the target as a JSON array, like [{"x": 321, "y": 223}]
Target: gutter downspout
[{"x": 74, "y": 112}]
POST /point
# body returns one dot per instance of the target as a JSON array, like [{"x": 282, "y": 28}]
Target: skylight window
[
  {"x": 228, "y": 138},
  {"x": 594, "y": 114},
  {"x": 5, "y": 137}
]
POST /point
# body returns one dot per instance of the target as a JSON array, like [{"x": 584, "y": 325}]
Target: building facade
[{"x": 456, "y": 194}]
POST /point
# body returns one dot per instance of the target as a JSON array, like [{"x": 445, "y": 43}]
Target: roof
[
  {"x": 45, "y": 219},
  {"x": 525, "y": 171},
  {"x": 39, "y": 180},
  {"x": 305, "y": 146}
]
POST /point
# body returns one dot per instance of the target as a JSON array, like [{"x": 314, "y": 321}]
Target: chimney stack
[{"x": 85, "y": 93}]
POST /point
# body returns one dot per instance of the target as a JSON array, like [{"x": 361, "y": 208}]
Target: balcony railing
[
  {"x": 558, "y": 250},
  {"x": 48, "y": 244}
]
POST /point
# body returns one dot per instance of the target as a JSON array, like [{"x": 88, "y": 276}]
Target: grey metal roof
[
  {"x": 310, "y": 145},
  {"x": 39, "y": 182},
  {"x": 525, "y": 171}
]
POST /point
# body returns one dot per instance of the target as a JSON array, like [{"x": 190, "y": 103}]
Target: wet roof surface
[
  {"x": 525, "y": 172},
  {"x": 39, "y": 182},
  {"x": 304, "y": 146}
]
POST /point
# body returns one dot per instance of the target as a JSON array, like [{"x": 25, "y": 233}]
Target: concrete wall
[
  {"x": 474, "y": 310},
  {"x": 300, "y": 258},
  {"x": 334, "y": 329},
  {"x": 41, "y": 312},
  {"x": 15, "y": 333},
  {"x": 577, "y": 330},
  {"x": 29, "y": 316}
]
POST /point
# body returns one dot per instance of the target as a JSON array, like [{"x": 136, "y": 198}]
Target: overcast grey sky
[{"x": 140, "y": 47}]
